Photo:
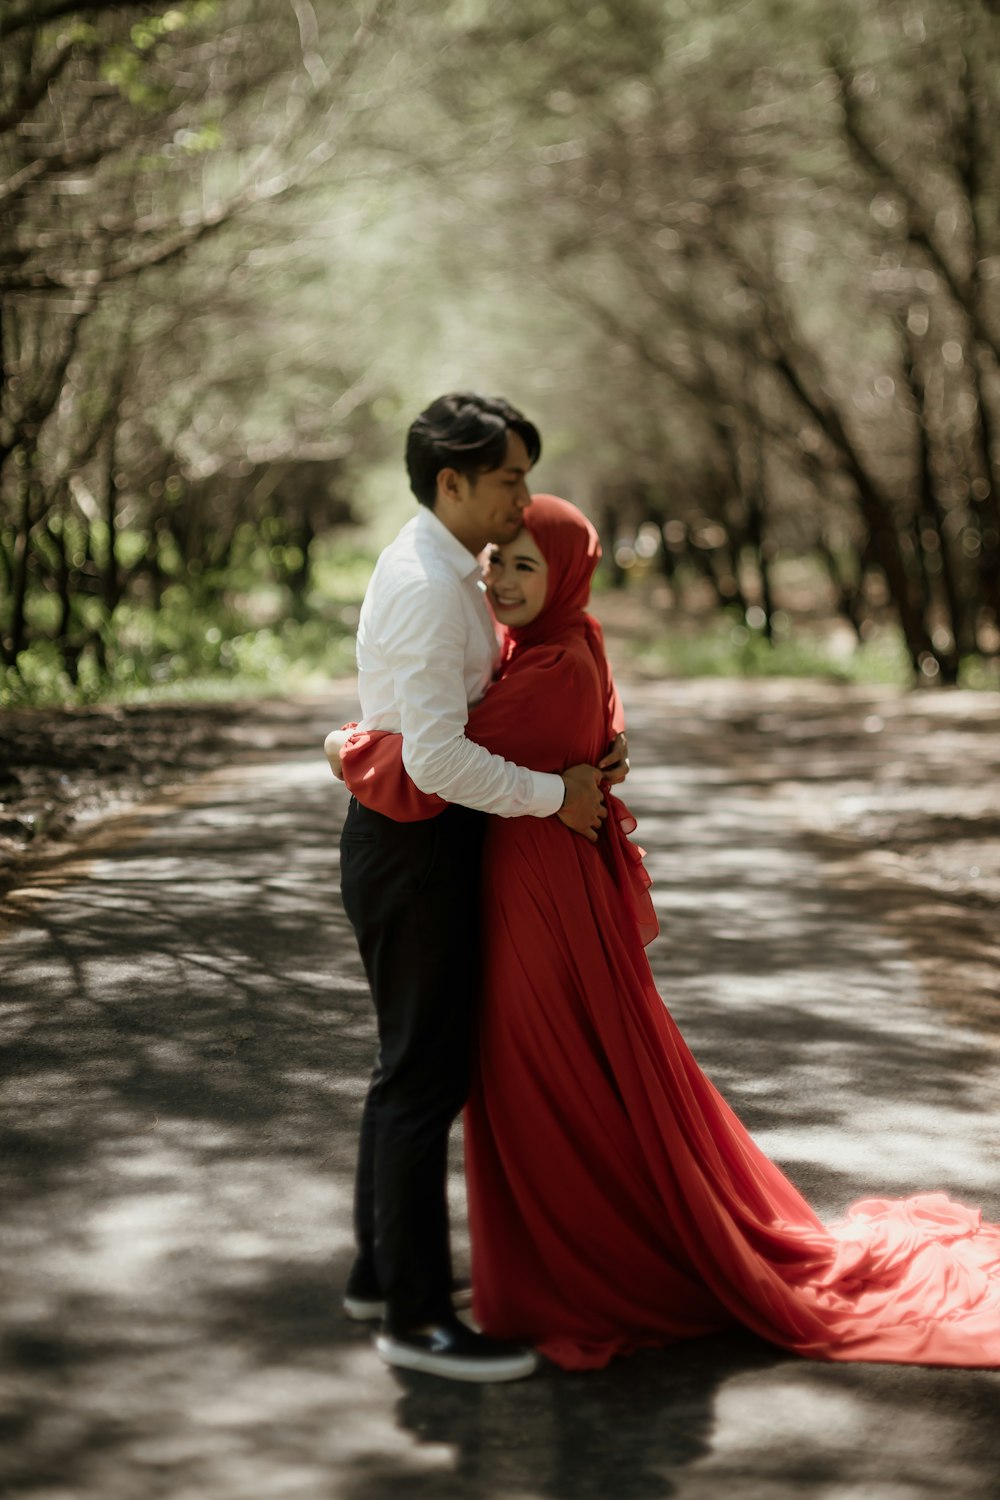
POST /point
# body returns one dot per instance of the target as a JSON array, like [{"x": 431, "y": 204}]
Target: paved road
[{"x": 189, "y": 1036}]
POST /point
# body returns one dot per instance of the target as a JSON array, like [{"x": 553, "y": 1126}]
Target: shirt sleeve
[{"x": 422, "y": 636}]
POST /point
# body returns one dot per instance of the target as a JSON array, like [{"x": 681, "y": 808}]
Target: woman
[{"x": 615, "y": 1200}]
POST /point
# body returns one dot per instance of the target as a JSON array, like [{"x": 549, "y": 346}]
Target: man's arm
[
  {"x": 583, "y": 807},
  {"x": 422, "y": 637}
]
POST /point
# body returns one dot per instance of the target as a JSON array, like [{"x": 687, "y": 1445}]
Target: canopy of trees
[{"x": 742, "y": 264}]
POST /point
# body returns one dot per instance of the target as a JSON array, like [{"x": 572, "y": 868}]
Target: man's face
[{"x": 492, "y": 503}]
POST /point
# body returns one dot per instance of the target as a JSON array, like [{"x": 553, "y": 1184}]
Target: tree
[
  {"x": 138, "y": 143},
  {"x": 707, "y": 189}
]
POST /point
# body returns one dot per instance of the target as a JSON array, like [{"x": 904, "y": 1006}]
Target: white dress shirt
[{"x": 427, "y": 649}]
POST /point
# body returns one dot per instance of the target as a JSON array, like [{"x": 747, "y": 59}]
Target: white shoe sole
[
  {"x": 364, "y": 1310},
  {"x": 453, "y": 1366}
]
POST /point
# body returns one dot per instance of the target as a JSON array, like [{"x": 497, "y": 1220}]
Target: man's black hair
[{"x": 463, "y": 431}]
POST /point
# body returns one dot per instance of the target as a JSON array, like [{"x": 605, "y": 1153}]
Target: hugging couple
[{"x": 615, "y": 1201}]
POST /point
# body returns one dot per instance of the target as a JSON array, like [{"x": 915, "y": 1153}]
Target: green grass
[
  {"x": 246, "y": 642},
  {"x": 726, "y": 649},
  {"x": 239, "y": 641},
  {"x": 189, "y": 657}
]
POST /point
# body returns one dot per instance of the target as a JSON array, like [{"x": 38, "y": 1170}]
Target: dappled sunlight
[
  {"x": 765, "y": 1413},
  {"x": 761, "y": 1420},
  {"x": 231, "y": 1424},
  {"x": 810, "y": 1017},
  {"x": 193, "y": 1036},
  {"x": 891, "y": 1156},
  {"x": 191, "y": 1057},
  {"x": 739, "y": 262}
]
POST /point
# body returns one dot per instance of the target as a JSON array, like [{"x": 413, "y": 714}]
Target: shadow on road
[{"x": 187, "y": 1039}]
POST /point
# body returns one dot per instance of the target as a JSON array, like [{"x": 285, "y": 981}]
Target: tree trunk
[
  {"x": 17, "y": 635},
  {"x": 882, "y": 533},
  {"x": 930, "y": 518}
]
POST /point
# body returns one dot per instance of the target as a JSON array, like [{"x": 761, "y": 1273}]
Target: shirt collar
[{"x": 447, "y": 546}]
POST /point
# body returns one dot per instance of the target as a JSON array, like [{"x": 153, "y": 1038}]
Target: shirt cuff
[{"x": 548, "y": 794}]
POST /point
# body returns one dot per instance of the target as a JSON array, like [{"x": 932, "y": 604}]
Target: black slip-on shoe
[
  {"x": 456, "y": 1352},
  {"x": 368, "y": 1307}
]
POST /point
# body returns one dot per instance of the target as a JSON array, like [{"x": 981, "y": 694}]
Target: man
[{"x": 427, "y": 648}]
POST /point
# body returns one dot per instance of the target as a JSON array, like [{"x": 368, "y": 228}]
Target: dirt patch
[{"x": 62, "y": 769}]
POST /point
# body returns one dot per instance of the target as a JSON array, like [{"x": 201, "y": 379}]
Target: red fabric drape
[{"x": 615, "y": 1200}]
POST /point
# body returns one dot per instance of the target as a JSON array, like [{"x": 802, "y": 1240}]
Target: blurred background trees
[{"x": 742, "y": 264}]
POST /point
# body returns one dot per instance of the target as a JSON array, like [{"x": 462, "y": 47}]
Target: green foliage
[
  {"x": 207, "y": 137},
  {"x": 181, "y": 654},
  {"x": 127, "y": 70},
  {"x": 726, "y": 648},
  {"x": 340, "y": 573},
  {"x": 131, "y": 66},
  {"x": 979, "y": 673},
  {"x": 645, "y": 221},
  {"x": 202, "y": 642}
]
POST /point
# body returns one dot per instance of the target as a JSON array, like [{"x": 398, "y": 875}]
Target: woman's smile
[{"x": 517, "y": 580}]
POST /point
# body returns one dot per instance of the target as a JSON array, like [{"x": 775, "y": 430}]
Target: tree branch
[
  {"x": 32, "y": 89},
  {"x": 16, "y": 18},
  {"x": 918, "y": 232}
]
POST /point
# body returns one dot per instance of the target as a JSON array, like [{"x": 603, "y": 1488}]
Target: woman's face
[{"x": 517, "y": 577}]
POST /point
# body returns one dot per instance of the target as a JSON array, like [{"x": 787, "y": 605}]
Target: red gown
[{"x": 615, "y": 1200}]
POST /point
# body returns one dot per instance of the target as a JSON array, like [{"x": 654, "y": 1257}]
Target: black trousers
[{"x": 411, "y": 892}]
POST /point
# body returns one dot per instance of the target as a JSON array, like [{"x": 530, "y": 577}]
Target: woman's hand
[
  {"x": 615, "y": 764},
  {"x": 332, "y": 746}
]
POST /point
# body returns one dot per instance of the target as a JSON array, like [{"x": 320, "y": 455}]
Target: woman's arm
[
  {"x": 333, "y": 747},
  {"x": 615, "y": 764}
]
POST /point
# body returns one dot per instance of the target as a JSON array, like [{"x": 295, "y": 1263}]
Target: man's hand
[
  {"x": 615, "y": 763},
  {"x": 332, "y": 746},
  {"x": 583, "y": 807}
]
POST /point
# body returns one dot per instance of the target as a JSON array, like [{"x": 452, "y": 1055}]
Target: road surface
[{"x": 187, "y": 1034}]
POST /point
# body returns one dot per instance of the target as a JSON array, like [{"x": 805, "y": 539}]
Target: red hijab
[
  {"x": 570, "y": 546},
  {"x": 572, "y": 549}
]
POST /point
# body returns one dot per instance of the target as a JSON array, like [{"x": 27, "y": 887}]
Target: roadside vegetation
[{"x": 740, "y": 263}]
